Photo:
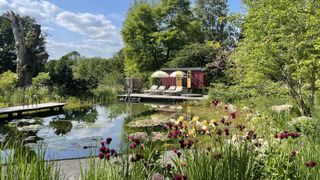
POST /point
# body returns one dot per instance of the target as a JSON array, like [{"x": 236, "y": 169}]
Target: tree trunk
[
  {"x": 296, "y": 93},
  {"x": 25, "y": 60}
]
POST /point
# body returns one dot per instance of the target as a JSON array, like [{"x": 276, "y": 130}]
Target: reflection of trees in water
[
  {"x": 129, "y": 109},
  {"x": 83, "y": 115},
  {"x": 61, "y": 127},
  {"x": 114, "y": 110},
  {"x": 20, "y": 132},
  {"x": 17, "y": 140}
]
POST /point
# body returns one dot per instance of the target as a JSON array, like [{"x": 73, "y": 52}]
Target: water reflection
[
  {"x": 61, "y": 127},
  {"x": 70, "y": 134}
]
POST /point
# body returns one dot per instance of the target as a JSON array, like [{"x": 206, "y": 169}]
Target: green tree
[
  {"x": 154, "y": 32},
  {"x": 141, "y": 50},
  {"x": 177, "y": 26},
  {"x": 7, "y": 45},
  {"x": 282, "y": 43},
  {"x": 7, "y": 52},
  {"x": 213, "y": 17},
  {"x": 194, "y": 55}
]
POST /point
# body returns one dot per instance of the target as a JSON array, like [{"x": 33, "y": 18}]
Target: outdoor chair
[
  {"x": 152, "y": 89},
  {"x": 160, "y": 90},
  {"x": 170, "y": 89},
  {"x": 177, "y": 91}
]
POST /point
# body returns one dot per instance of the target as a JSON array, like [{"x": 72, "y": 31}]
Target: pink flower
[
  {"x": 139, "y": 156},
  {"x": 179, "y": 177},
  {"x": 310, "y": 164},
  {"x": 179, "y": 154},
  {"x": 226, "y": 107},
  {"x": 190, "y": 143},
  {"x": 219, "y": 132},
  {"x": 217, "y": 156},
  {"x": 101, "y": 155},
  {"x": 133, "y": 145},
  {"x": 257, "y": 144},
  {"x": 170, "y": 124},
  {"x": 107, "y": 156},
  {"x": 240, "y": 127},
  {"x": 215, "y": 102},
  {"x": 223, "y": 120},
  {"x": 102, "y": 149},
  {"x": 112, "y": 151},
  {"x": 108, "y": 140},
  {"x": 233, "y": 115},
  {"x": 226, "y": 130}
]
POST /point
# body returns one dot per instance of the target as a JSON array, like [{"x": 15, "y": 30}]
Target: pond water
[
  {"x": 71, "y": 135},
  {"x": 76, "y": 133}
]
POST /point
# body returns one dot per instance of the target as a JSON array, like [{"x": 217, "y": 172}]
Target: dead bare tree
[{"x": 23, "y": 45}]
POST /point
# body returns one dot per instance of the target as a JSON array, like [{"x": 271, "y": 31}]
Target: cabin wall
[{"x": 198, "y": 80}]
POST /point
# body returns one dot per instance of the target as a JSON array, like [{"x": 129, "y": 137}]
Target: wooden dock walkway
[
  {"x": 141, "y": 97},
  {"x": 19, "y": 110}
]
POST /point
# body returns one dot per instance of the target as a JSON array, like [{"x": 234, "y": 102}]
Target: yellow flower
[
  {"x": 181, "y": 118},
  {"x": 195, "y": 118},
  {"x": 205, "y": 122},
  {"x": 191, "y": 132}
]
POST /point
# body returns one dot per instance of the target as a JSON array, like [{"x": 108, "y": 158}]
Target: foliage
[
  {"x": 8, "y": 56},
  {"x": 193, "y": 55},
  {"x": 306, "y": 125},
  {"x": 62, "y": 78},
  {"x": 8, "y": 82},
  {"x": 22, "y": 163},
  {"x": 41, "y": 80},
  {"x": 213, "y": 17},
  {"x": 109, "y": 87},
  {"x": 95, "y": 69},
  {"x": 154, "y": 32},
  {"x": 282, "y": 44},
  {"x": 141, "y": 52},
  {"x": 7, "y": 44}
]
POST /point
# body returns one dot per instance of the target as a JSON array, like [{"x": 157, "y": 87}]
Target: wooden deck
[
  {"x": 19, "y": 110},
  {"x": 141, "y": 97}
]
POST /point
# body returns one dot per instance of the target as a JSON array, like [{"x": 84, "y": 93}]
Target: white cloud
[
  {"x": 87, "y": 24},
  {"x": 98, "y": 35},
  {"x": 42, "y": 11}
]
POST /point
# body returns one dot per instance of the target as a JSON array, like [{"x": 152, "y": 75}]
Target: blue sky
[{"x": 91, "y": 27}]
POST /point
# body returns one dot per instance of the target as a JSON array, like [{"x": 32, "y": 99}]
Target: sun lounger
[
  {"x": 160, "y": 90},
  {"x": 170, "y": 89},
  {"x": 152, "y": 89},
  {"x": 177, "y": 91}
]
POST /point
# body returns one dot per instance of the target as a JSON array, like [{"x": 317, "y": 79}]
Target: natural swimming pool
[{"x": 75, "y": 133}]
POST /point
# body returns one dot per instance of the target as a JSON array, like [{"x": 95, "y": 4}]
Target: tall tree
[
  {"x": 154, "y": 32},
  {"x": 141, "y": 50},
  {"x": 177, "y": 26},
  {"x": 29, "y": 46},
  {"x": 7, "y": 51},
  {"x": 282, "y": 43},
  {"x": 213, "y": 16}
]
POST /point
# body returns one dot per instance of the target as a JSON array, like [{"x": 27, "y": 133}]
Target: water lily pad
[
  {"x": 33, "y": 128},
  {"x": 152, "y": 121},
  {"x": 154, "y": 136},
  {"x": 26, "y": 122}
]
